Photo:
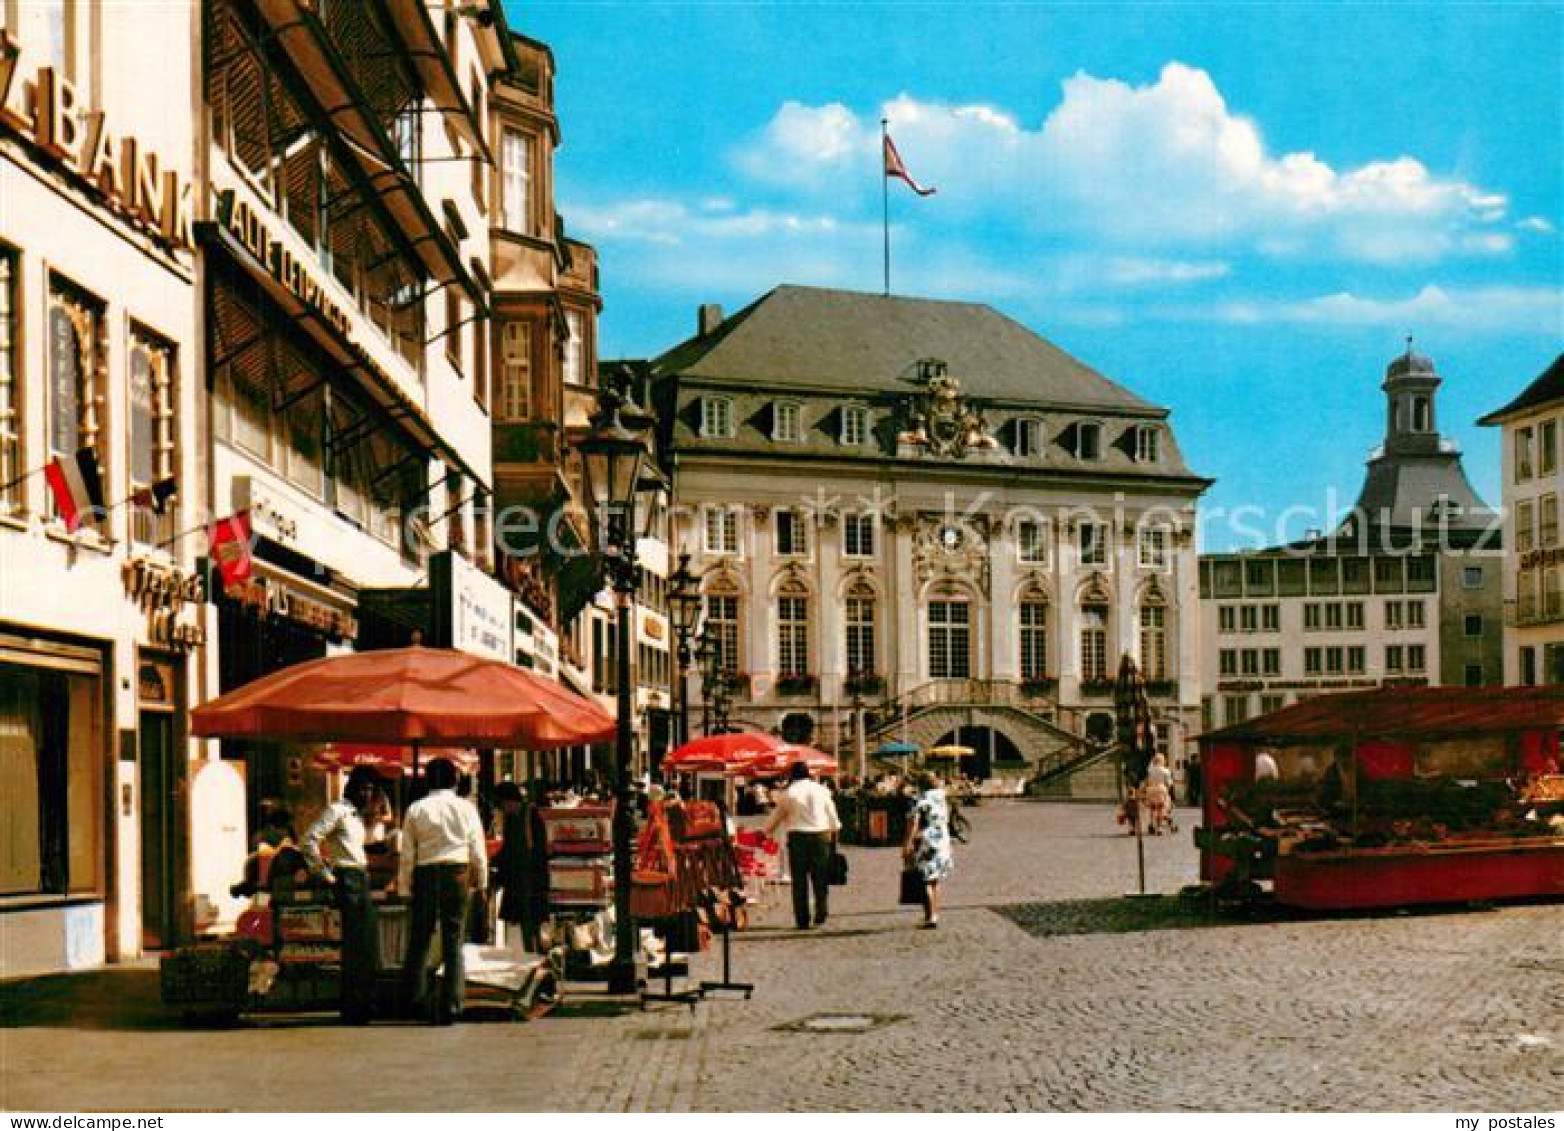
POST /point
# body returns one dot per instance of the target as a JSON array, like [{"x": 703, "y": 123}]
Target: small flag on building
[
  {"x": 155, "y": 498},
  {"x": 230, "y": 548},
  {"x": 895, "y": 168},
  {"x": 77, "y": 487}
]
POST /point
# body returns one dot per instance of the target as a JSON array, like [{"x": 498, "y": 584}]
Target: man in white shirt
[
  {"x": 808, "y": 812},
  {"x": 443, "y": 858},
  {"x": 333, "y": 847}
]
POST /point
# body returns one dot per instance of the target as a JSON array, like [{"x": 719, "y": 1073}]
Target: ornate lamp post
[
  {"x": 618, "y": 472},
  {"x": 684, "y": 607}
]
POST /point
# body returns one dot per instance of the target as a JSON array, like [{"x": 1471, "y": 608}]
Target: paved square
[{"x": 1042, "y": 990}]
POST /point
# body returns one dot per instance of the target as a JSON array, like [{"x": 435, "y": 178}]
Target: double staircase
[{"x": 1056, "y": 759}]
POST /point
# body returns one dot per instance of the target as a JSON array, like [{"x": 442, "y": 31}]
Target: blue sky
[{"x": 1238, "y": 210}]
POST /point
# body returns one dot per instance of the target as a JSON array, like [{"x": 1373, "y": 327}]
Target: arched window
[
  {"x": 1034, "y": 637},
  {"x": 950, "y": 636},
  {"x": 1094, "y": 639},
  {"x": 723, "y": 606},
  {"x": 1153, "y": 639},
  {"x": 792, "y": 631},
  {"x": 861, "y": 658}
]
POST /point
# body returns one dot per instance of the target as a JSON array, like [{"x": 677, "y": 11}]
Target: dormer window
[
  {"x": 787, "y": 422},
  {"x": 855, "y": 425},
  {"x": 1148, "y": 444},
  {"x": 716, "y": 418},
  {"x": 1088, "y": 441},
  {"x": 1029, "y": 437}
]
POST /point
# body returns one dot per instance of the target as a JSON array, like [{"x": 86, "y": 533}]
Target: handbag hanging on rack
[{"x": 654, "y": 889}]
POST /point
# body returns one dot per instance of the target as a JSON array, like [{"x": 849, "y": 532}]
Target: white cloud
[
  {"x": 1166, "y": 163},
  {"x": 1535, "y": 224},
  {"x": 1472, "y": 309},
  {"x": 670, "y": 222}
]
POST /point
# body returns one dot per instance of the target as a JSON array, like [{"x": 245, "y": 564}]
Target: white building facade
[
  {"x": 921, "y": 519},
  {"x": 1533, "y": 485}
]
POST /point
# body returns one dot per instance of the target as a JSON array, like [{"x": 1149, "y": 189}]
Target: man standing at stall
[
  {"x": 443, "y": 859},
  {"x": 334, "y": 850},
  {"x": 808, "y": 812}
]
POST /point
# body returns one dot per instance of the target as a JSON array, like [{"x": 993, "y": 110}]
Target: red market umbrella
[
  {"x": 387, "y": 760},
  {"x": 406, "y": 697},
  {"x": 781, "y": 760},
  {"x": 729, "y": 753}
]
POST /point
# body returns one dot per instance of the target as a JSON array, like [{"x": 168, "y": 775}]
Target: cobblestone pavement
[{"x": 1042, "y": 990}]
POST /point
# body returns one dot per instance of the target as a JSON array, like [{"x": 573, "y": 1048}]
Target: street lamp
[
  {"x": 684, "y": 607},
  {"x": 618, "y": 472}
]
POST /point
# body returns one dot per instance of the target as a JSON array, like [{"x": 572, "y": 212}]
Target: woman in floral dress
[{"x": 928, "y": 843}]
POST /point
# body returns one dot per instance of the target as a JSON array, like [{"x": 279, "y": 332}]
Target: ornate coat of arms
[{"x": 939, "y": 419}]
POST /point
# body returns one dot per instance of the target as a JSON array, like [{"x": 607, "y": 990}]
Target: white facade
[
  {"x": 97, "y": 281},
  {"x": 1533, "y": 485}
]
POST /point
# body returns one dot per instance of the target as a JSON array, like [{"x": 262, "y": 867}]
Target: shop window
[
  {"x": 51, "y": 779},
  {"x": 12, "y": 454}
]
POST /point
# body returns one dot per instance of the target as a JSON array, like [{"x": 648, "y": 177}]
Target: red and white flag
[
  {"x": 77, "y": 487},
  {"x": 230, "y": 548},
  {"x": 895, "y": 168}
]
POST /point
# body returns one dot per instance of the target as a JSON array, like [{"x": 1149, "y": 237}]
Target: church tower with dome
[{"x": 1407, "y": 589}]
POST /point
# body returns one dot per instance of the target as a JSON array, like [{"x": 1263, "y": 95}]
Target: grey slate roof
[
  {"x": 1546, "y": 388},
  {"x": 815, "y": 338}
]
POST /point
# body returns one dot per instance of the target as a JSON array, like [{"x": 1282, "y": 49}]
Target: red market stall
[{"x": 1390, "y": 797}]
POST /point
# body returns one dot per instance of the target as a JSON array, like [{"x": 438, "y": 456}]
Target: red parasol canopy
[
  {"x": 406, "y": 696},
  {"x": 728, "y": 753},
  {"x": 781, "y": 760},
  {"x": 387, "y": 760}
]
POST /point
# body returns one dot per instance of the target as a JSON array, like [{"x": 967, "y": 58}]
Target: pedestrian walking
[
  {"x": 1158, "y": 791},
  {"x": 808, "y": 813},
  {"x": 928, "y": 842},
  {"x": 443, "y": 859},
  {"x": 333, "y": 847}
]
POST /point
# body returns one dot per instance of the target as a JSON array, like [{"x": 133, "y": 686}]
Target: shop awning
[
  {"x": 411, "y": 23},
  {"x": 309, "y": 51},
  {"x": 1406, "y": 712}
]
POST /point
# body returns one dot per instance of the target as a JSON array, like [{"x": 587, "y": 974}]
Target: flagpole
[{"x": 885, "y": 202}]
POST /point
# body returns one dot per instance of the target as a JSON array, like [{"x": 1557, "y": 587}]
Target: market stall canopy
[
  {"x": 896, "y": 749},
  {"x": 950, "y": 752},
  {"x": 727, "y": 753},
  {"x": 406, "y": 696},
  {"x": 389, "y": 760},
  {"x": 1405, "y": 712}
]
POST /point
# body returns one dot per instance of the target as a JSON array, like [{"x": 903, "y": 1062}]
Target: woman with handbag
[{"x": 927, "y": 847}]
